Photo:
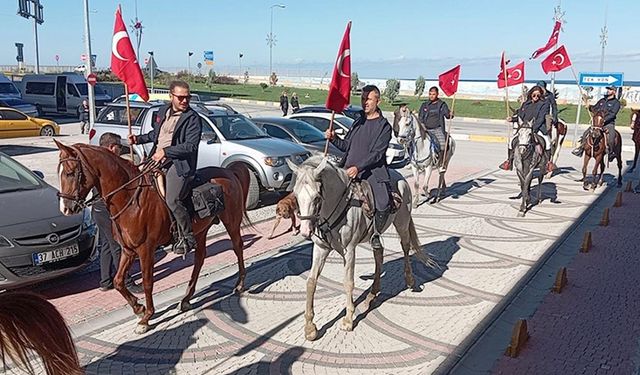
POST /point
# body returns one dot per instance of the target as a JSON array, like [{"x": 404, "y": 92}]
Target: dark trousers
[
  {"x": 177, "y": 193},
  {"x": 285, "y": 110},
  {"x": 611, "y": 136},
  {"x": 109, "y": 249},
  {"x": 380, "y": 193}
]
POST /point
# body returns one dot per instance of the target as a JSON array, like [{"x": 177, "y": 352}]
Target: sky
[{"x": 389, "y": 39}]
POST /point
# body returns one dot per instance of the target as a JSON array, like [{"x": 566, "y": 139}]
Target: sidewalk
[{"x": 593, "y": 326}]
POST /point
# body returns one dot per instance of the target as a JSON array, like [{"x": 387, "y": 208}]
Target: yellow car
[{"x": 14, "y": 123}]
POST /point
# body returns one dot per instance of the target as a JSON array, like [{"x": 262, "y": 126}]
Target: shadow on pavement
[
  {"x": 169, "y": 346},
  {"x": 282, "y": 364},
  {"x": 16, "y": 150},
  {"x": 457, "y": 189}
]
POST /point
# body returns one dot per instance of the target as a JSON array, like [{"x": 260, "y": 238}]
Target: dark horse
[
  {"x": 141, "y": 219},
  {"x": 30, "y": 324},
  {"x": 528, "y": 155},
  {"x": 595, "y": 146},
  {"x": 635, "y": 126}
]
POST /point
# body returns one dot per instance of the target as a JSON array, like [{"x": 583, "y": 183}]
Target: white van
[
  {"x": 8, "y": 89},
  {"x": 59, "y": 93}
]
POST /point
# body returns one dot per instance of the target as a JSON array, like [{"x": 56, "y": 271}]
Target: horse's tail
[
  {"x": 29, "y": 323},
  {"x": 417, "y": 248},
  {"x": 242, "y": 173}
]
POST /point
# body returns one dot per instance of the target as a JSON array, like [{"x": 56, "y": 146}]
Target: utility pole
[
  {"x": 152, "y": 68},
  {"x": 88, "y": 67},
  {"x": 189, "y": 61},
  {"x": 603, "y": 41},
  {"x": 24, "y": 10}
]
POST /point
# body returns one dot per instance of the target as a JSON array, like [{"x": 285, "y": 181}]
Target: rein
[{"x": 324, "y": 226}]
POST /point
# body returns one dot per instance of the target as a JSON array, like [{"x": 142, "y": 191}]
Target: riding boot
[
  {"x": 578, "y": 151},
  {"x": 507, "y": 165},
  {"x": 379, "y": 221},
  {"x": 550, "y": 167}
]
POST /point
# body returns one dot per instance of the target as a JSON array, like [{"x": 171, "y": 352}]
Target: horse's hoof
[
  {"x": 141, "y": 329},
  {"x": 139, "y": 311},
  {"x": 411, "y": 282},
  {"x": 520, "y": 213},
  {"x": 239, "y": 289},
  {"x": 368, "y": 302},
  {"x": 310, "y": 332},
  {"x": 185, "y": 306},
  {"x": 346, "y": 325}
]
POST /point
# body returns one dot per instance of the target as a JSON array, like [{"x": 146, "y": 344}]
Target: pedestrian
[
  {"x": 609, "y": 106},
  {"x": 110, "y": 249},
  {"x": 295, "y": 104},
  {"x": 432, "y": 114},
  {"x": 284, "y": 103},
  {"x": 365, "y": 147},
  {"x": 83, "y": 114},
  {"x": 533, "y": 111},
  {"x": 176, "y": 137}
]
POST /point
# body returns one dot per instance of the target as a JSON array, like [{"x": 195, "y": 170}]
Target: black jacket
[
  {"x": 183, "y": 151},
  {"x": 550, "y": 98},
  {"x": 610, "y": 107},
  {"x": 533, "y": 111},
  {"x": 294, "y": 102},
  {"x": 443, "y": 112},
  {"x": 83, "y": 113},
  {"x": 375, "y": 165},
  {"x": 284, "y": 102}
]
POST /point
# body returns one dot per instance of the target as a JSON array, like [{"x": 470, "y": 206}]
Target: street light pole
[
  {"x": 189, "y": 60},
  {"x": 87, "y": 64},
  {"x": 152, "y": 68},
  {"x": 271, "y": 40},
  {"x": 35, "y": 33}
]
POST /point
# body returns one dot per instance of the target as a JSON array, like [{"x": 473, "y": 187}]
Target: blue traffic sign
[{"x": 601, "y": 79}]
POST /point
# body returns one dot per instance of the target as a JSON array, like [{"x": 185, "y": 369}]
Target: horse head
[
  {"x": 76, "y": 179},
  {"x": 406, "y": 128},
  {"x": 635, "y": 117},
  {"x": 525, "y": 132},
  {"x": 598, "y": 119}
]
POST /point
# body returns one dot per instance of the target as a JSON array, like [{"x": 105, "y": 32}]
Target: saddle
[
  {"x": 363, "y": 196},
  {"x": 207, "y": 199}
]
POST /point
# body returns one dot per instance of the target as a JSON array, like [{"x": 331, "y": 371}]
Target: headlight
[
  {"x": 4, "y": 242},
  {"x": 274, "y": 161}
]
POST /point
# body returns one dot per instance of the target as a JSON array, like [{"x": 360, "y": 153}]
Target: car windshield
[
  {"x": 14, "y": 177},
  {"x": 237, "y": 127},
  {"x": 8, "y": 88},
  {"x": 345, "y": 121},
  {"x": 82, "y": 89},
  {"x": 305, "y": 132}
]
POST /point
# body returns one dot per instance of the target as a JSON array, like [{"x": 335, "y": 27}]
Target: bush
[
  {"x": 263, "y": 86},
  {"x": 420, "y": 83},
  {"x": 391, "y": 90},
  {"x": 106, "y": 76},
  {"x": 226, "y": 80}
]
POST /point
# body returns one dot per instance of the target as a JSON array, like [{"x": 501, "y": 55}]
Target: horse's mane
[
  {"x": 29, "y": 323},
  {"x": 315, "y": 160},
  {"x": 124, "y": 164}
]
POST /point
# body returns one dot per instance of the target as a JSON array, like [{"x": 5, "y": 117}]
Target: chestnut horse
[
  {"x": 635, "y": 126},
  {"x": 141, "y": 219},
  {"x": 594, "y": 146}
]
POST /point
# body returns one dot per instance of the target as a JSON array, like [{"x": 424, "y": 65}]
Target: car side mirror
[
  {"x": 210, "y": 138},
  {"x": 39, "y": 174},
  {"x": 339, "y": 131}
]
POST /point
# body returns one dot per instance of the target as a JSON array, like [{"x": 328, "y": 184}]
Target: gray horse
[
  {"x": 330, "y": 218},
  {"x": 527, "y": 157},
  {"x": 421, "y": 157}
]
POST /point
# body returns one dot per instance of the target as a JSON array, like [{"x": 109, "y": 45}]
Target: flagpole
[
  {"x": 446, "y": 142},
  {"x": 506, "y": 90},
  {"x": 326, "y": 145},
  {"x": 126, "y": 95}
]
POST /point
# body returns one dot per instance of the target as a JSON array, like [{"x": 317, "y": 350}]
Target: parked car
[
  {"x": 353, "y": 111},
  {"x": 59, "y": 93},
  {"x": 14, "y": 123},
  {"x": 341, "y": 125},
  {"x": 8, "y": 89},
  {"x": 37, "y": 242},
  {"x": 226, "y": 139},
  {"x": 19, "y": 104},
  {"x": 299, "y": 132}
]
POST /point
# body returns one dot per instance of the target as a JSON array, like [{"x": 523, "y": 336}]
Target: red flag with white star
[
  {"x": 124, "y": 63},
  {"x": 449, "y": 81},
  {"x": 556, "y": 61},
  {"x": 553, "y": 40},
  {"x": 340, "y": 89}
]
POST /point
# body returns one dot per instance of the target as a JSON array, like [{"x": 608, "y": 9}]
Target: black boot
[
  {"x": 185, "y": 244},
  {"x": 379, "y": 221},
  {"x": 578, "y": 151}
]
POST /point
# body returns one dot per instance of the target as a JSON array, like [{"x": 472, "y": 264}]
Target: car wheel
[
  {"x": 47, "y": 131},
  {"x": 254, "y": 191},
  {"x": 39, "y": 109}
]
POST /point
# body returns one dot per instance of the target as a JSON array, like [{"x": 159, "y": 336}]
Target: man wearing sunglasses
[
  {"x": 533, "y": 110},
  {"x": 175, "y": 137}
]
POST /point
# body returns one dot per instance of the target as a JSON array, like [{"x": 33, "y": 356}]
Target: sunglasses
[
  {"x": 535, "y": 95},
  {"x": 181, "y": 97}
]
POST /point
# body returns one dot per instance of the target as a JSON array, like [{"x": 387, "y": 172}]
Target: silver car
[{"x": 226, "y": 139}]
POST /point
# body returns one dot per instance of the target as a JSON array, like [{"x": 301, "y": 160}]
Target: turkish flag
[
  {"x": 449, "y": 81},
  {"x": 515, "y": 75},
  {"x": 124, "y": 63},
  {"x": 553, "y": 40},
  {"x": 340, "y": 89},
  {"x": 556, "y": 61}
]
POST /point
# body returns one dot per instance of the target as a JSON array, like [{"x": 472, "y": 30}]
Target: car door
[
  {"x": 210, "y": 146},
  {"x": 61, "y": 94},
  {"x": 277, "y": 132},
  {"x": 73, "y": 97},
  {"x": 16, "y": 124}
]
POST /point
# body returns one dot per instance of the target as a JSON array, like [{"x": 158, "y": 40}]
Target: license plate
[{"x": 55, "y": 255}]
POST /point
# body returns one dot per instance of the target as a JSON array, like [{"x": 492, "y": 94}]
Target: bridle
[{"x": 324, "y": 225}]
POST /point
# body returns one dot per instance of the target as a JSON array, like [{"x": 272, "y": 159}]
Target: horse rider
[
  {"x": 365, "y": 147},
  {"x": 432, "y": 115},
  {"x": 550, "y": 118},
  {"x": 609, "y": 106},
  {"x": 175, "y": 138},
  {"x": 534, "y": 110}
]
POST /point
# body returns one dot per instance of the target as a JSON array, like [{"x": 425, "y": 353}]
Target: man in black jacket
[
  {"x": 365, "y": 147},
  {"x": 284, "y": 103},
  {"x": 550, "y": 118},
  {"x": 610, "y": 106},
  {"x": 432, "y": 114},
  {"x": 176, "y": 137}
]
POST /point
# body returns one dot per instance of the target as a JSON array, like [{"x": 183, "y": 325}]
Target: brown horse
[
  {"x": 595, "y": 146},
  {"x": 141, "y": 220},
  {"x": 30, "y": 324},
  {"x": 635, "y": 126}
]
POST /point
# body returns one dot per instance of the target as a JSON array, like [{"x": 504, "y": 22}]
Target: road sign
[
  {"x": 92, "y": 79},
  {"x": 199, "y": 65},
  {"x": 601, "y": 79}
]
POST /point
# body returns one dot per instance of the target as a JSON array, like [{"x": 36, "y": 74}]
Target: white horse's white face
[
  {"x": 307, "y": 192},
  {"x": 524, "y": 134},
  {"x": 406, "y": 128}
]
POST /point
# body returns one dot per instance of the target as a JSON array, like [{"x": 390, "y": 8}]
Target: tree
[
  {"x": 246, "y": 77},
  {"x": 273, "y": 79},
  {"x": 211, "y": 78},
  {"x": 420, "y": 83},
  {"x": 263, "y": 86},
  {"x": 391, "y": 90},
  {"x": 355, "y": 82}
]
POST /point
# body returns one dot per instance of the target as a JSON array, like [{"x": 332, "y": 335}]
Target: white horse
[
  {"x": 330, "y": 218},
  {"x": 421, "y": 157}
]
